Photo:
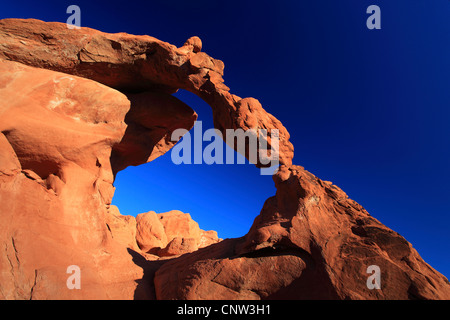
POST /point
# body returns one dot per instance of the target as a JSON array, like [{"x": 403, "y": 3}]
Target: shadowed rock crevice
[
  {"x": 278, "y": 250},
  {"x": 145, "y": 290}
]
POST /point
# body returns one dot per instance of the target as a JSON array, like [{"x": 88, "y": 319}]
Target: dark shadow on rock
[
  {"x": 151, "y": 120},
  {"x": 145, "y": 289},
  {"x": 313, "y": 284}
]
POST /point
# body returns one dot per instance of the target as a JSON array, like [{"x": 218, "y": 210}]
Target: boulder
[{"x": 171, "y": 233}]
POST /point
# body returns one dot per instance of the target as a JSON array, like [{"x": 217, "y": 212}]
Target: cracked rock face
[{"x": 77, "y": 106}]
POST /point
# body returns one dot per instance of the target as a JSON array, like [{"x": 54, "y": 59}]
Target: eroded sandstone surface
[{"x": 77, "y": 106}]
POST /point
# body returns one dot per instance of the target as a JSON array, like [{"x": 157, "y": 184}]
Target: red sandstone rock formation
[
  {"x": 135, "y": 64},
  {"x": 56, "y": 184},
  {"x": 171, "y": 233},
  {"x": 77, "y": 106},
  {"x": 310, "y": 241}
]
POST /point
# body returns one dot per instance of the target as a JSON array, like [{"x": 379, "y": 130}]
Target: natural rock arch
[
  {"x": 62, "y": 138},
  {"x": 137, "y": 64}
]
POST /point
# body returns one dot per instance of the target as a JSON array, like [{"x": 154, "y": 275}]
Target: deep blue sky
[{"x": 366, "y": 109}]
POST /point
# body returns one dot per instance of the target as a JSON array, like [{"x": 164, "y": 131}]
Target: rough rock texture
[{"x": 77, "y": 106}]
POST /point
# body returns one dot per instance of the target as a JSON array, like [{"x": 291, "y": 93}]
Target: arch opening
[{"x": 221, "y": 197}]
